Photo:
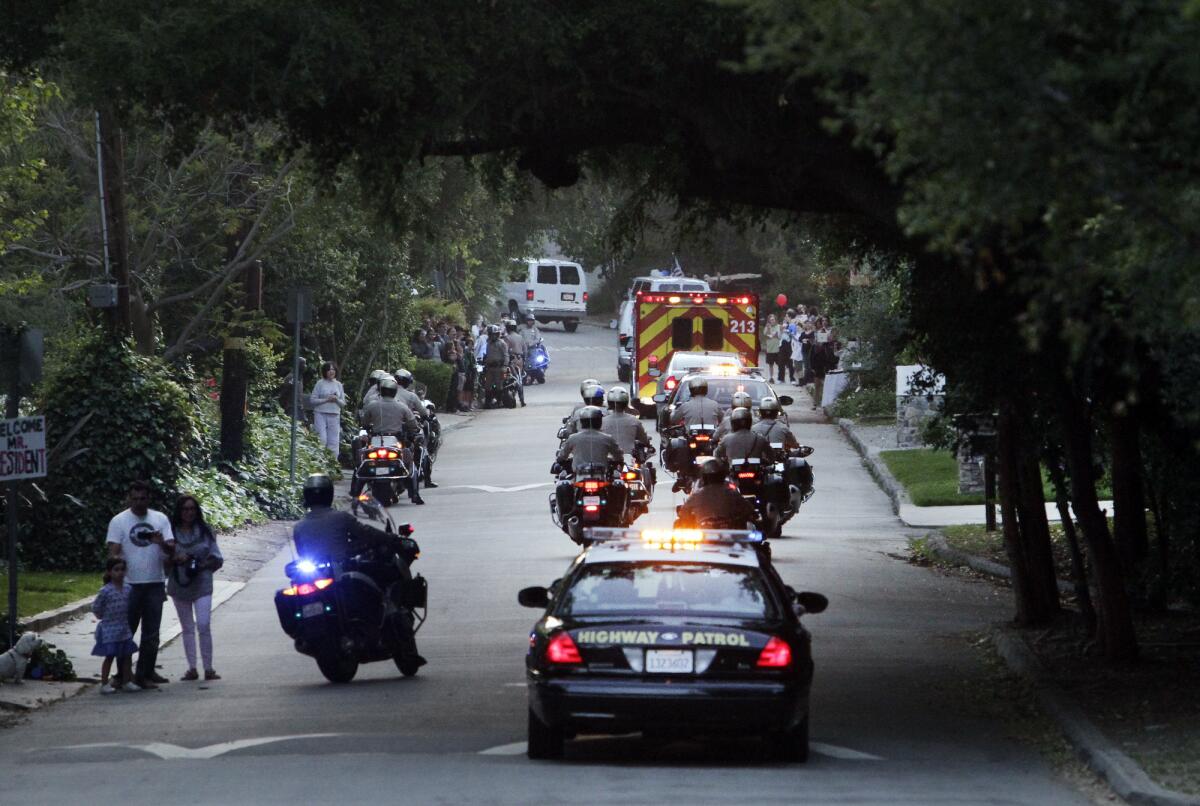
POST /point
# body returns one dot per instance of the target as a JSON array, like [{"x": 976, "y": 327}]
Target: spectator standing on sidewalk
[
  {"x": 327, "y": 399},
  {"x": 143, "y": 538},
  {"x": 190, "y": 586},
  {"x": 114, "y": 639},
  {"x": 772, "y": 338}
]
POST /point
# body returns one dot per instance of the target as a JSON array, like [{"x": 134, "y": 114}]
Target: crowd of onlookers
[{"x": 801, "y": 346}]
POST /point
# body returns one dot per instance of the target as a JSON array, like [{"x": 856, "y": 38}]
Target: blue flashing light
[{"x": 306, "y": 567}]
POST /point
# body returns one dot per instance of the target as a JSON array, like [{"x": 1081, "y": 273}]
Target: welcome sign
[{"x": 22, "y": 448}]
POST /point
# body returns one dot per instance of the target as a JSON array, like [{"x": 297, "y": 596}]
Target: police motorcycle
[
  {"x": 754, "y": 481},
  {"x": 588, "y": 495},
  {"x": 537, "y": 362},
  {"x": 685, "y": 449},
  {"x": 789, "y": 482},
  {"x": 639, "y": 477},
  {"x": 337, "y": 613},
  {"x": 431, "y": 430},
  {"x": 384, "y": 466}
]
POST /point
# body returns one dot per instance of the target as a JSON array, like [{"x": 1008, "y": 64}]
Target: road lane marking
[
  {"x": 843, "y": 753},
  {"x": 487, "y": 488},
  {"x": 514, "y": 749},
  {"x": 173, "y": 752}
]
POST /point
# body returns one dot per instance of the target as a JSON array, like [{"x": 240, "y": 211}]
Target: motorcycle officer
[
  {"x": 334, "y": 535},
  {"x": 517, "y": 355},
  {"x": 387, "y": 415},
  {"x": 530, "y": 334},
  {"x": 495, "y": 359},
  {"x": 372, "y": 393},
  {"x": 742, "y": 443},
  {"x": 714, "y": 500},
  {"x": 588, "y": 446},
  {"x": 698, "y": 409},
  {"x": 408, "y": 397},
  {"x": 593, "y": 395},
  {"x": 741, "y": 400},
  {"x": 771, "y": 427},
  {"x": 622, "y": 426}
]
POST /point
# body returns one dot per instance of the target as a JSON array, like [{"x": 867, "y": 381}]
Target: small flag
[{"x": 677, "y": 270}]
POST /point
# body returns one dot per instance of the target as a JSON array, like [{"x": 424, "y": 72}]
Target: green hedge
[
  {"x": 435, "y": 375},
  {"x": 866, "y": 402}
]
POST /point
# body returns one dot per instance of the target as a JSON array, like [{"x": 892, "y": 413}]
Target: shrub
[
  {"x": 435, "y": 375},
  {"x": 227, "y": 504},
  {"x": 438, "y": 309},
  {"x": 865, "y": 402},
  {"x": 142, "y": 426},
  {"x": 263, "y": 474}
]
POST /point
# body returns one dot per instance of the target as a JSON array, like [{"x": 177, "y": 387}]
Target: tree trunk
[
  {"x": 235, "y": 376},
  {"x": 1114, "y": 620},
  {"x": 1083, "y": 594},
  {"x": 1036, "y": 602},
  {"x": 112, "y": 151},
  {"x": 1129, "y": 499},
  {"x": 1035, "y": 529}
]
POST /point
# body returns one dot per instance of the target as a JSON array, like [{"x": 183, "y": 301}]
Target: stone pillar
[
  {"x": 970, "y": 470},
  {"x": 912, "y": 411}
]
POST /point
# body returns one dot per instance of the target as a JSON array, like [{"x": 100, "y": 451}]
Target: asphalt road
[{"x": 889, "y": 722}]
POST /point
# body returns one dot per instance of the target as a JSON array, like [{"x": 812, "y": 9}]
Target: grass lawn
[
  {"x": 931, "y": 478},
  {"x": 46, "y": 590}
]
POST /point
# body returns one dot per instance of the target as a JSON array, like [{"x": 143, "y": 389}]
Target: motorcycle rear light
[
  {"x": 746, "y": 475},
  {"x": 562, "y": 649},
  {"x": 775, "y": 655},
  {"x": 630, "y": 475},
  {"x": 591, "y": 486},
  {"x": 322, "y": 584},
  {"x": 703, "y": 438},
  {"x": 591, "y": 508},
  {"x": 529, "y": 295}
]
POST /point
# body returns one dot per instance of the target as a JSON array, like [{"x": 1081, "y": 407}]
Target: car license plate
[
  {"x": 382, "y": 471},
  {"x": 591, "y": 500},
  {"x": 568, "y": 297},
  {"x": 670, "y": 661},
  {"x": 313, "y": 609}
]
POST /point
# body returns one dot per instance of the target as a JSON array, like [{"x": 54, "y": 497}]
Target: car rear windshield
[
  {"x": 668, "y": 587},
  {"x": 721, "y": 390},
  {"x": 568, "y": 275},
  {"x": 547, "y": 275}
]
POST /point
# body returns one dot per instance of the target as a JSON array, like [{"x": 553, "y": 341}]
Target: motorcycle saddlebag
[
  {"x": 677, "y": 455},
  {"x": 799, "y": 473},
  {"x": 775, "y": 490},
  {"x": 415, "y": 593}
]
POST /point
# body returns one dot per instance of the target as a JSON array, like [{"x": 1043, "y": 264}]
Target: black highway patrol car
[{"x": 671, "y": 631}]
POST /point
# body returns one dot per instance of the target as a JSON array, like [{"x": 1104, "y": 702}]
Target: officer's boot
[{"x": 414, "y": 490}]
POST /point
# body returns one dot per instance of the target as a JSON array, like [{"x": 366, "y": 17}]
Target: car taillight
[
  {"x": 373, "y": 454},
  {"x": 529, "y": 295},
  {"x": 585, "y": 296},
  {"x": 670, "y": 383},
  {"x": 562, "y": 649},
  {"x": 775, "y": 655}
]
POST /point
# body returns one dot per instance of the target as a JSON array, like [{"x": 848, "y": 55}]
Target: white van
[
  {"x": 551, "y": 290},
  {"x": 665, "y": 284}
]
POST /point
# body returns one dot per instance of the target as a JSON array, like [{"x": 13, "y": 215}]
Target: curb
[
  {"x": 40, "y": 622},
  {"x": 937, "y": 542},
  {"x": 878, "y": 470},
  {"x": 1123, "y": 774}
]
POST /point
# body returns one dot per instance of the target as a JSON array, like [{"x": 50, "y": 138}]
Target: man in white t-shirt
[{"x": 143, "y": 537}]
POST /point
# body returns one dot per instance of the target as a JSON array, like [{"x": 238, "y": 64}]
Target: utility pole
[
  {"x": 112, "y": 156},
  {"x": 10, "y": 350}
]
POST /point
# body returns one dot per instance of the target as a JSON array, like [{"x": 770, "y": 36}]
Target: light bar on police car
[{"x": 669, "y": 538}]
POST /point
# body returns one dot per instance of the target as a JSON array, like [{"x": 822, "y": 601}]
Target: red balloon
[{"x": 781, "y": 300}]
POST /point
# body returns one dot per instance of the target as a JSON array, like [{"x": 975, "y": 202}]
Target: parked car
[{"x": 551, "y": 290}]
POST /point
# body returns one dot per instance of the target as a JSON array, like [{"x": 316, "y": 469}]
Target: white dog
[{"x": 14, "y": 661}]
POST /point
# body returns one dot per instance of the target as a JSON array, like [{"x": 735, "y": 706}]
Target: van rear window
[
  {"x": 568, "y": 275},
  {"x": 548, "y": 275}
]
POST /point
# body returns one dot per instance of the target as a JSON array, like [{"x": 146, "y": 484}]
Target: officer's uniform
[
  {"x": 626, "y": 429},
  {"x": 572, "y": 425},
  {"x": 411, "y": 399},
  {"x": 372, "y": 394},
  {"x": 516, "y": 356},
  {"x": 776, "y": 431},
  {"x": 326, "y": 533},
  {"x": 389, "y": 416},
  {"x": 495, "y": 359},
  {"x": 531, "y": 336},
  {"x": 745, "y": 444},
  {"x": 590, "y": 447},
  {"x": 716, "y": 501},
  {"x": 698, "y": 411}
]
